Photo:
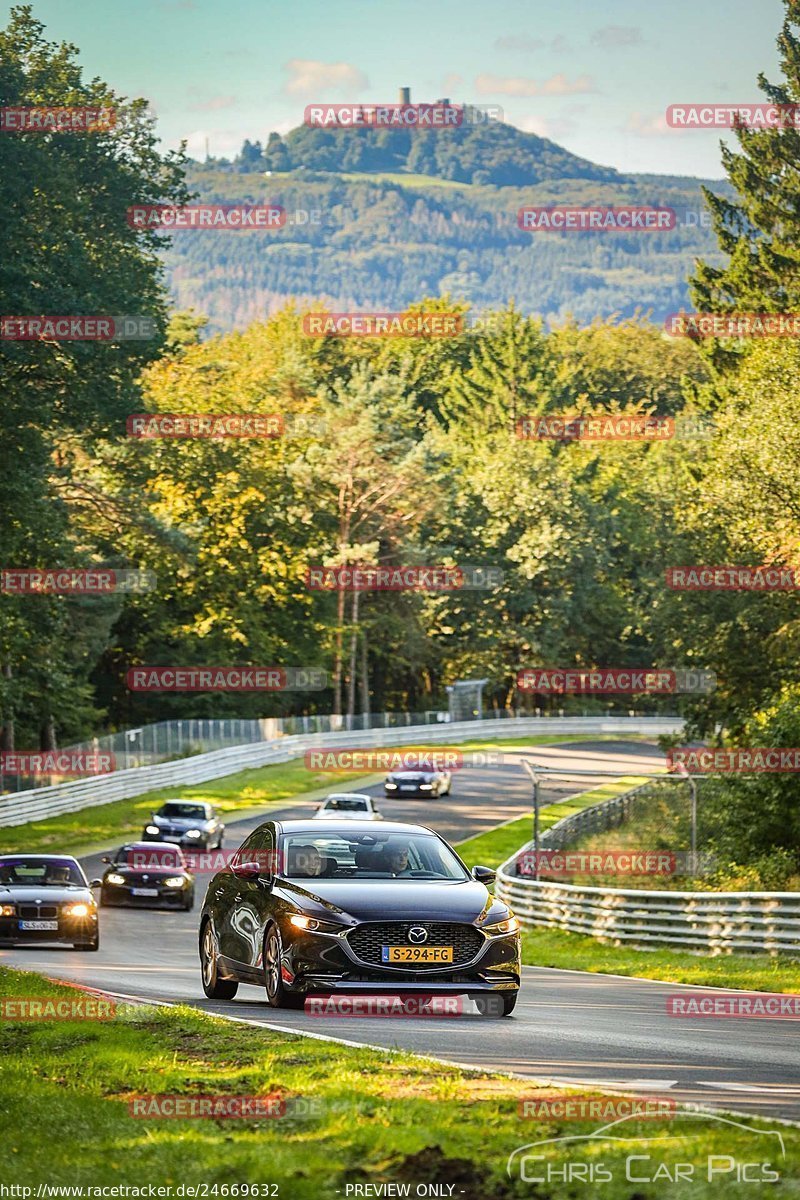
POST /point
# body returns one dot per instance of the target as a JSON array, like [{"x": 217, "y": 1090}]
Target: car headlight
[
  {"x": 7, "y": 910},
  {"x": 114, "y": 878},
  {"x": 426, "y": 787},
  {"x": 194, "y": 833},
  {"x": 152, "y": 829},
  {"x": 174, "y": 881},
  {"x": 391, "y": 786},
  {"x": 77, "y": 910},
  {"x": 510, "y": 925},
  {"x": 313, "y": 925}
]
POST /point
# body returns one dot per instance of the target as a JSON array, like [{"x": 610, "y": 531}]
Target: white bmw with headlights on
[{"x": 46, "y": 898}]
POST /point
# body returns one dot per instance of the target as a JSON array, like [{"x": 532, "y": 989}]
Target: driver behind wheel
[{"x": 304, "y": 861}]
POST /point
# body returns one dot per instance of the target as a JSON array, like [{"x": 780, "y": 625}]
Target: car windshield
[
  {"x": 148, "y": 856},
  {"x": 37, "y": 872},
  {"x": 340, "y": 855},
  {"x": 346, "y": 804},
  {"x": 176, "y": 809}
]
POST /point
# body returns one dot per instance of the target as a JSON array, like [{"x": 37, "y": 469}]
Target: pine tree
[{"x": 760, "y": 230}]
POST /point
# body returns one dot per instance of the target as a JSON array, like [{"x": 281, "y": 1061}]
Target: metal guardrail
[
  {"x": 714, "y": 922},
  {"x": 39, "y": 803}
]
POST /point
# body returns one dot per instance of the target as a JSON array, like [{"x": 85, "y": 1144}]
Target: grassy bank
[
  {"x": 351, "y": 1116},
  {"x": 496, "y": 845},
  {"x": 573, "y": 951}
]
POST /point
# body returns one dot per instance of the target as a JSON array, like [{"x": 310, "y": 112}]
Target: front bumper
[
  {"x": 406, "y": 791},
  {"x": 121, "y": 896},
  {"x": 175, "y": 839},
  {"x": 314, "y": 962},
  {"x": 70, "y": 930}
]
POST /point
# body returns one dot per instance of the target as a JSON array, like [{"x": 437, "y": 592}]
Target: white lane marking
[
  {"x": 642, "y": 1085},
  {"x": 775, "y": 1089},
  {"x": 531, "y": 969}
]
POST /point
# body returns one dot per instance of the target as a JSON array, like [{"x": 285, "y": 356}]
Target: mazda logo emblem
[{"x": 417, "y": 934}]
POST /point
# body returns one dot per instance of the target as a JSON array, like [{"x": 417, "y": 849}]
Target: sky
[{"x": 596, "y": 78}]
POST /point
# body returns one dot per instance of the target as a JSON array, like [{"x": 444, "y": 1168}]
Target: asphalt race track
[{"x": 568, "y": 1026}]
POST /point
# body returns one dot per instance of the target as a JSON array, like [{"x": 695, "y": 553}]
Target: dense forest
[{"x": 382, "y": 241}]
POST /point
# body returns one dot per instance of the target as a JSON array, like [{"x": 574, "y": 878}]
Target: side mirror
[
  {"x": 96, "y": 883},
  {"x": 248, "y": 870},
  {"x": 484, "y": 875}
]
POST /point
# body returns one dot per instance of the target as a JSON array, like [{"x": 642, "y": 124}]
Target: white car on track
[{"x": 347, "y": 806}]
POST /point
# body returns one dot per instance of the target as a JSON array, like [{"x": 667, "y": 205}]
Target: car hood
[
  {"x": 9, "y": 893},
  {"x": 181, "y": 822},
  {"x": 400, "y": 900}
]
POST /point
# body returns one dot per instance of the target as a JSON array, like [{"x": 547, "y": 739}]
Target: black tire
[
  {"x": 214, "y": 986},
  {"x": 189, "y": 903},
  {"x": 496, "y": 1004},
  {"x": 277, "y": 995},
  {"x": 95, "y": 945}
]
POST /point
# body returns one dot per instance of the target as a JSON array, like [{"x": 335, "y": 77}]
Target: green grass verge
[
  {"x": 353, "y": 1116},
  {"x": 573, "y": 951},
  {"x": 496, "y": 845},
  {"x": 93, "y": 828}
]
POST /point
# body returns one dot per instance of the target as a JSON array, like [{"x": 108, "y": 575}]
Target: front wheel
[
  {"x": 277, "y": 995},
  {"x": 95, "y": 945},
  {"x": 496, "y": 1004},
  {"x": 214, "y": 986}
]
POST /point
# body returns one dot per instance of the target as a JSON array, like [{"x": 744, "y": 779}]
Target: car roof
[
  {"x": 181, "y": 800},
  {"x": 312, "y": 827},
  {"x": 148, "y": 846},
  {"x": 347, "y": 796},
  {"x": 41, "y": 857}
]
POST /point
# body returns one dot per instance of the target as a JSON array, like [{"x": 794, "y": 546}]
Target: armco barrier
[
  {"x": 38, "y": 803},
  {"x": 713, "y": 922}
]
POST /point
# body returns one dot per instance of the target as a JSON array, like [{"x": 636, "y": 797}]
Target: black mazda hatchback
[{"x": 304, "y": 908}]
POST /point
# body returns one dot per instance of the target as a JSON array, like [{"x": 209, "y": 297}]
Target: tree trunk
[
  {"x": 364, "y": 678},
  {"x": 337, "y": 661},
  {"x": 7, "y": 728},
  {"x": 47, "y": 737},
  {"x": 351, "y": 682}
]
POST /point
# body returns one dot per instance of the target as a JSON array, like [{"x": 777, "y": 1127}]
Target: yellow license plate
[{"x": 417, "y": 954}]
